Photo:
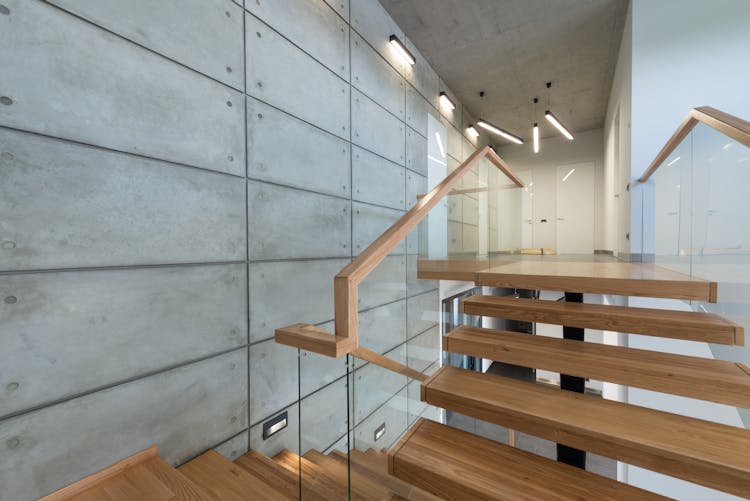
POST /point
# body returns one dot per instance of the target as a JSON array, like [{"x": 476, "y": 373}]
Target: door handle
[{"x": 561, "y": 219}]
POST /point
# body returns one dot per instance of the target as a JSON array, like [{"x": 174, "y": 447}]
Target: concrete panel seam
[
  {"x": 121, "y": 152},
  {"x": 118, "y": 267},
  {"x": 144, "y": 375}
]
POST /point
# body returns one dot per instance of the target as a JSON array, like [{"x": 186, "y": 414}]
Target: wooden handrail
[
  {"x": 734, "y": 127},
  {"x": 346, "y": 282}
]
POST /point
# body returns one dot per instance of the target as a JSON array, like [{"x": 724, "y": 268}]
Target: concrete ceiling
[{"x": 510, "y": 48}]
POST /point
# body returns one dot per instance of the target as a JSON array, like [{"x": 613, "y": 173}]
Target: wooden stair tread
[
  {"x": 315, "y": 484},
  {"x": 690, "y": 325},
  {"x": 362, "y": 487},
  {"x": 706, "y": 379},
  {"x": 597, "y": 277},
  {"x": 378, "y": 471},
  {"x": 458, "y": 465},
  {"x": 711, "y": 454},
  {"x": 221, "y": 479},
  {"x": 152, "y": 479},
  {"x": 272, "y": 473}
]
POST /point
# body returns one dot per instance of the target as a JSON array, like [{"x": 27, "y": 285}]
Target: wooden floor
[
  {"x": 711, "y": 454},
  {"x": 591, "y": 274}
]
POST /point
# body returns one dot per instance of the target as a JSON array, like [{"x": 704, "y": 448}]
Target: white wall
[{"x": 554, "y": 151}]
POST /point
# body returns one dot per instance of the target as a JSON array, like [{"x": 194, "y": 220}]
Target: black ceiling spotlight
[
  {"x": 500, "y": 132},
  {"x": 401, "y": 49},
  {"x": 554, "y": 120}
]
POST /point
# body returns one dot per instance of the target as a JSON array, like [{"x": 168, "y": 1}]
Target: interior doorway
[{"x": 575, "y": 208}]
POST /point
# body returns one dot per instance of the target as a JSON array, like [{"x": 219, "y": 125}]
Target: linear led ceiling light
[
  {"x": 500, "y": 132},
  {"x": 446, "y": 101},
  {"x": 554, "y": 121},
  {"x": 401, "y": 49},
  {"x": 536, "y": 137},
  {"x": 472, "y": 131}
]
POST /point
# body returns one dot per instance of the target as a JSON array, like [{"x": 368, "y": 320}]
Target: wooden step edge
[
  {"x": 405, "y": 438},
  {"x": 89, "y": 481},
  {"x": 270, "y": 471},
  {"x": 744, "y": 368},
  {"x": 361, "y": 485},
  {"x": 180, "y": 484},
  {"x": 715, "y": 380}
]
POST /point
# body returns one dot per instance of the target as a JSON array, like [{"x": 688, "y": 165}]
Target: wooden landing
[
  {"x": 688, "y": 325},
  {"x": 594, "y": 274},
  {"x": 457, "y": 465},
  {"x": 705, "y": 379},
  {"x": 707, "y": 453}
]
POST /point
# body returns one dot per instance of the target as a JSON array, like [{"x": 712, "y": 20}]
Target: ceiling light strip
[
  {"x": 557, "y": 123},
  {"x": 500, "y": 132},
  {"x": 536, "y": 137}
]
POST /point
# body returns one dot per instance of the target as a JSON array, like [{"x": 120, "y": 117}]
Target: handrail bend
[
  {"x": 346, "y": 282},
  {"x": 734, "y": 127}
]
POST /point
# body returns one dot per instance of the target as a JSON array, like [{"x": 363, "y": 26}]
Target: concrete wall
[{"x": 178, "y": 179}]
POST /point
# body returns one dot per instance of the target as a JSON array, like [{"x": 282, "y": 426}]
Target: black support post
[{"x": 565, "y": 454}]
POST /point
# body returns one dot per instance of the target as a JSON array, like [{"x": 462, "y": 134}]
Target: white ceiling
[{"x": 510, "y": 48}]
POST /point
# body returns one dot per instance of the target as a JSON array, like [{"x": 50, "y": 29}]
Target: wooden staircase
[{"x": 253, "y": 476}]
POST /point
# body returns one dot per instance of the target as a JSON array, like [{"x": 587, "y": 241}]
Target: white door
[
  {"x": 575, "y": 208},
  {"x": 527, "y": 214}
]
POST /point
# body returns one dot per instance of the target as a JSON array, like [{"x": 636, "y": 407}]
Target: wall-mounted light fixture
[
  {"x": 500, "y": 132},
  {"x": 446, "y": 102},
  {"x": 536, "y": 137},
  {"x": 554, "y": 121},
  {"x": 275, "y": 425},
  {"x": 402, "y": 50},
  {"x": 472, "y": 131}
]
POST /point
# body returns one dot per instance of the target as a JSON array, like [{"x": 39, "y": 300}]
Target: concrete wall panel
[
  {"x": 234, "y": 447},
  {"x": 377, "y": 130},
  {"x": 72, "y": 80},
  {"x": 273, "y": 379},
  {"x": 386, "y": 283},
  {"x": 284, "y": 76},
  {"x": 286, "y": 223},
  {"x": 375, "y": 25},
  {"x": 376, "y": 180},
  {"x": 341, "y": 7},
  {"x": 393, "y": 414},
  {"x": 423, "y": 312},
  {"x": 374, "y": 386},
  {"x": 369, "y": 222},
  {"x": 422, "y": 76},
  {"x": 311, "y": 25},
  {"x": 205, "y": 36},
  {"x": 416, "y": 152},
  {"x": 377, "y": 79},
  {"x": 184, "y": 411},
  {"x": 285, "y": 150},
  {"x": 415, "y": 185},
  {"x": 455, "y": 142},
  {"x": 417, "y": 110},
  {"x": 383, "y": 328},
  {"x": 287, "y": 292},
  {"x": 66, "y": 205},
  {"x": 288, "y": 438},
  {"x": 317, "y": 371},
  {"x": 424, "y": 350},
  {"x": 119, "y": 316},
  {"x": 324, "y": 417}
]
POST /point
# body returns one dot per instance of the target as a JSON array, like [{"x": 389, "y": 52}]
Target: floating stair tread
[
  {"x": 706, "y": 379},
  {"x": 457, "y": 465},
  {"x": 597, "y": 277},
  {"x": 273, "y": 474},
  {"x": 711, "y": 454},
  {"x": 690, "y": 325},
  {"x": 315, "y": 484},
  {"x": 152, "y": 479},
  {"x": 362, "y": 487},
  {"x": 221, "y": 479},
  {"x": 378, "y": 471}
]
